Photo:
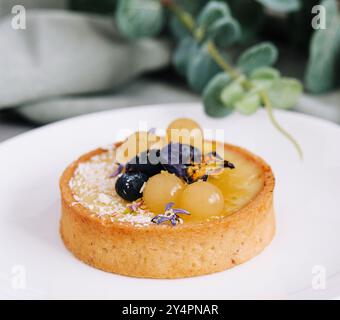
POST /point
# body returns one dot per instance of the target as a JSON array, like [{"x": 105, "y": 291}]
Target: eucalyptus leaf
[
  {"x": 249, "y": 104},
  {"x": 233, "y": 93},
  {"x": 178, "y": 30},
  {"x": 225, "y": 31},
  {"x": 213, "y": 104},
  {"x": 263, "y": 78},
  {"x": 282, "y": 5},
  {"x": 202, "y": 68},
  {"x": 261, "y": 55},
  {"x": 322, "y": 74},
  {"x": 184, "y": 52},
  {"x": 285, "y": 93},
  {"x": 213, "y": 11},
  {"x": 139, "y": 18},
  {"x": 265, "y": 73}
]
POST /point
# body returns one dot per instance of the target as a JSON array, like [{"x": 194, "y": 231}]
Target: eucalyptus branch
[
  {"x": 189, "y": 22},
  {"x": 216, "y": 55},
  {"x": 186, "y": 18}
]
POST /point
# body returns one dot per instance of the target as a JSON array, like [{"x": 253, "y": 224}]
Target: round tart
[{"x": 114, "y": 235}]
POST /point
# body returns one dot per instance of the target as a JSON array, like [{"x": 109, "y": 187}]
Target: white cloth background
[{"x": 63, "y": 54}]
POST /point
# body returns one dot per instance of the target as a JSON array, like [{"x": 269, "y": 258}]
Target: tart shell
[{"x": 163, "y": 251}]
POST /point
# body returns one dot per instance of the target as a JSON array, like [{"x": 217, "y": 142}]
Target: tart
[{"x": 212, "y": 221}]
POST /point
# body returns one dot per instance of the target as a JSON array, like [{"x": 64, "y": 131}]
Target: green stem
[
  {"x": 215, "y": 54},
  {"x": 229, "y": 69},
  {"x": 269, "y": 108},
  {"x": 186, "y": 18}
]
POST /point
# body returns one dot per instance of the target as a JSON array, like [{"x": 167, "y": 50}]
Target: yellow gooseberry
[
  {"x": 203, "y": 200},
  {"x": 160, "y": 190}
]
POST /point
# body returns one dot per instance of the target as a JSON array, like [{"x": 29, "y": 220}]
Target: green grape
[
  {"x": 249, "y": 104},
  {"x": 186, "y": 49},
  {"x": 261, "y": 55},
  {"x": 139, "y": 18},
  {"x": 285, "y": 93},
  {"x": 213, "y": 104},
  {"x": 202, "y": 68},
  {"x": 233, "y": 93}
]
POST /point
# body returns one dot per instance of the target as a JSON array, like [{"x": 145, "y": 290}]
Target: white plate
[{"x": 303, "y": 261}]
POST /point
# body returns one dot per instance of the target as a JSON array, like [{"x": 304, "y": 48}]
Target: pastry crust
[{"x": 163, "y": 251}]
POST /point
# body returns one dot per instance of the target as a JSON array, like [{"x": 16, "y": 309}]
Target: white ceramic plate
[{"x": 303, "y": 261}]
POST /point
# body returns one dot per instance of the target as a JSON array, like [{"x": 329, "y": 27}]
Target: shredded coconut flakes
[{"x": 93, "y": 188}]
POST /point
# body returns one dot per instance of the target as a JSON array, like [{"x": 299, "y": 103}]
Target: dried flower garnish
[
  {"x": 120, "y": 168},
  {"x": 213, "y": 164},
  {"x": 171, "y": 215},
  {"x": 133, "y": 207},
  {"x": 213, "y": 157}
]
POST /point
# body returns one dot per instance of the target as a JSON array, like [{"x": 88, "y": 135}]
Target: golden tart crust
[{"x": 163, "y": 251}]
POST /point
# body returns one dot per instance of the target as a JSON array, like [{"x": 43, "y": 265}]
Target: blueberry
[
  {"x": 177, "y": 153},
  {"x": 147, "y": 162},
  {"x": 129, "y": 185}
]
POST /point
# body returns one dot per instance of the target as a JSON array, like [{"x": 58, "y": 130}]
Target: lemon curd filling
[
  {"x": 94, "y": 188},
  {"x": 241, "y": 185}
]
